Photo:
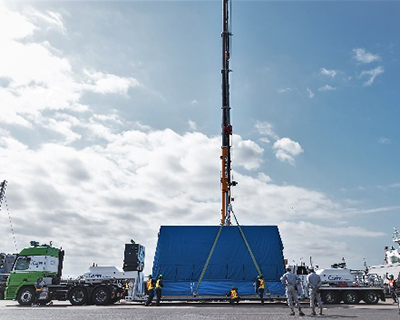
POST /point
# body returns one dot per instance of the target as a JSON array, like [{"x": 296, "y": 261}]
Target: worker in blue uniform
[
  {"x": 291, "y": 281},
  {"x": 314, "y": 282}
]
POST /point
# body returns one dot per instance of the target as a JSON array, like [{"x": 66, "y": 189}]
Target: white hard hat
[{"x": 311, "y": 268}]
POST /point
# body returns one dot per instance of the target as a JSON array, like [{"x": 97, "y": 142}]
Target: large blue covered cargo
[{"x": 182, "y": 252}]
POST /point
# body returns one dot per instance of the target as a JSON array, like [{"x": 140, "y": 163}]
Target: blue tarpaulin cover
[{"x": 182, "y": 252}]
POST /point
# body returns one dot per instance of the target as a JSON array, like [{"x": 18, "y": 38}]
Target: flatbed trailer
[
  {"x": 76, "y": 292},
  {"x": 351, "y": 295},
  {"x": 217, "y": 298},
  {"x": 342, "y": 285}
]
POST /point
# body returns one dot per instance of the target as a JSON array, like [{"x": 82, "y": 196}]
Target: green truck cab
[{"x": 31, "y": 263}]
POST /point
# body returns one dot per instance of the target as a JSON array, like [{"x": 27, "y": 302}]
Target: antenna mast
[{"x": 226, "y": 181}]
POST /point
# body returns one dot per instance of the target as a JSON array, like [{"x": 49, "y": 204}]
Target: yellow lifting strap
[
  {"x": 208, "y": 260},
  {"x": 248, "y": 246},
  {"x": 212, "y": 251}
]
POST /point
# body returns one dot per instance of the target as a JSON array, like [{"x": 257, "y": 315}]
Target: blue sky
[{"x": 110, "y": 123}]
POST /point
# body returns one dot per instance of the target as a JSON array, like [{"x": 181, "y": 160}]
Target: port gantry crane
[{"x": 226, "y": 174}]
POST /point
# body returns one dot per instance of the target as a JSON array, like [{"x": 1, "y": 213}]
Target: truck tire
[
  {"x": 371, "y": 297},
  {"x": 350, "y": 297},
  {"x": 26, "y": 296},
  {"x": 101, "y": 296},
  {"x": 329, "y": 297},
  {"x": 78, "y": 296}
]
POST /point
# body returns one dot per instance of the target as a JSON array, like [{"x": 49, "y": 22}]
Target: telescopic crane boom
[
  {"x": 3, "y": 187},
  {"x": 226, "y": 175}
]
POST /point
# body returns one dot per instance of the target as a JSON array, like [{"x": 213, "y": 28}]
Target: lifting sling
[
  {"x": 247, "y": 246},
  {"x": 212, "y": 251},
  {"x": 208, "y": 259}
]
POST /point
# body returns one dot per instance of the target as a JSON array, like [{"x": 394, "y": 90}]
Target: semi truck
[
  {"x": 342, "y": 284},
  {"x": 101, "y": 285}
]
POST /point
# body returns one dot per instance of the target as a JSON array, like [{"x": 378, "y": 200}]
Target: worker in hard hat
[
  {"x": 261, "y": 287},
  {"x": 234, "y": 295},
  {"x": 392, "y": 286},
  {"x": 314, "y": 282},
  {"x": 291, "y": 281},
  {"x": 150, "y": 290},
  {"x": 159, "y": 286}
]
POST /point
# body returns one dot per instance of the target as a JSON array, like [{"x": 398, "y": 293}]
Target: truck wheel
[
  {"x": 101, "y": 296},
  {"x": 78, "y": 296},
  {"x": 329, "y": 297},
  {"x": 26, "y": 296},
  {"x": 350, "y": 297},
  {"x": 371, "y": 297}
]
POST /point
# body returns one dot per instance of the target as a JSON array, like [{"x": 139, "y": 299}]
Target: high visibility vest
[
  {"x": 391, "y": 283},
  {"x": 261, "y": 284},
  {"x": 158, "y": 284},
  {"x": 234, "y": 294},
  {"x": 39, "y": 286},
  {"x": 150, "y": 285}
]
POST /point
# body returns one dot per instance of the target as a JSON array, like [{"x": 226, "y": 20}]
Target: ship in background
[{"x": 391, "y": 264}]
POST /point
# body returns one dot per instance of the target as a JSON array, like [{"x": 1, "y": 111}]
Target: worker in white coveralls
[
  {"x": 313, "y": 284},
  {"x": 291, "y": 281}
]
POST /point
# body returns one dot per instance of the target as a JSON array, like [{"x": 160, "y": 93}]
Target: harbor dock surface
[{"x": 10, "y": 310}]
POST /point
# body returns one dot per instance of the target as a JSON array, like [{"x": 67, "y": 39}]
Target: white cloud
[
  {"x": 264, "y": 178},
  {"x": 38, "y": 76},
  {"x": 327, "y": 88},
  {"x": 105, "y": 83},
  {"x": 52, "y": 20},
  {"x": 16, "y": 25},
  {"x": 247, "y": 153},
  {"x": 310, "y": 93},
  {"x": 286, "y": 149},
  {"x": 265, "y": 129},
  {"x": 329, "y": 73},
  {"x": 37, "y": 80},
  {"x": 372, "y": 211},
  {"x": 372, "y": 74},
  {"x": 361, "y": 55},
  {"x": 7, "y": 142},
  {"x": 384, "y": 140},
  {"x": 264, "y": 140},
  {"x": 192, "y": 125},
  {"x": 284, "y": 90},
  {"x": 319, "y": 240},
  {"x": 64, "y": 128}
]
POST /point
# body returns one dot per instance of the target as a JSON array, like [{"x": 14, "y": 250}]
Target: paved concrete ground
[{"x": 10, "y": 310}]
